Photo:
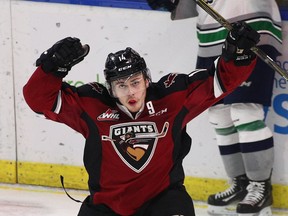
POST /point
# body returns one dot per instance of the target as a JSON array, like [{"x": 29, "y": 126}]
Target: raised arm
[
  {"x": 231, "y": 69},
  {"x": 44, "y": 86},
  {"x": 237, "y": 50}
]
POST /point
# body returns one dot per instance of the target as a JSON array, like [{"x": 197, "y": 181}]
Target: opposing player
[
  {"x": 245, "y": 142},
  {"x": 135, "y": 132}
]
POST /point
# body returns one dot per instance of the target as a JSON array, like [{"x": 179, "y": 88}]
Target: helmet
[{"x": 123, "y": 63}]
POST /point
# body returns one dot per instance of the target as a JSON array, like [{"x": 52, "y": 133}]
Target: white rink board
[
  {"x": 168, "y": 46},
  {"x": 7, "y": 118}
]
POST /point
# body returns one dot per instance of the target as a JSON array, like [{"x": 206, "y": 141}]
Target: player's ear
[{"x": 147, "y": 83}]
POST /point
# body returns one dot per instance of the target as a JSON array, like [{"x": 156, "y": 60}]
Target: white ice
[{"x": 23, "y": 200}]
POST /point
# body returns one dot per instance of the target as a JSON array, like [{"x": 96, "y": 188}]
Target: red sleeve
[
  {"x": 41, "y": 91},
  {"x": 231, "y": 76},
  {"x": 228, "y": 77},
  {"x": 42, "y": 94}
]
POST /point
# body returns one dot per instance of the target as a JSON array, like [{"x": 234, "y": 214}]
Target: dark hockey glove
[
  {"x": 168, "y": 5},
  {"x": 238, "y": 43},
  {"x": 62, "y": 56}
]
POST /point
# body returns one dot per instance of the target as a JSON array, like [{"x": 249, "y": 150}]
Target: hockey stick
[
  {"x": 107, "y": 138},
  {"x": 155, "y": 135},
  {"x": 262, "y": 55}
]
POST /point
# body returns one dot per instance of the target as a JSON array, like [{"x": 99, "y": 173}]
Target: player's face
[{"x": 131, "y": 91}]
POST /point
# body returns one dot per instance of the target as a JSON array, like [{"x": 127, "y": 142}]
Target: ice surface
[{"x": 23, "y": 200}]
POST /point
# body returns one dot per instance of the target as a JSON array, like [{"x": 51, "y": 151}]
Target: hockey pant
[{"x": 175, "y": 200}]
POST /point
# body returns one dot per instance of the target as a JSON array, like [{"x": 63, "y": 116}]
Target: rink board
[{"x": 77, "y": 178}]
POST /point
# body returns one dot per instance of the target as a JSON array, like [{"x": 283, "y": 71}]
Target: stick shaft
[{"x": 262, "y": 55}]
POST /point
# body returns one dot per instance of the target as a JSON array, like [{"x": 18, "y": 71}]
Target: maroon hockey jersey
[{"x": 132, "y": 159}]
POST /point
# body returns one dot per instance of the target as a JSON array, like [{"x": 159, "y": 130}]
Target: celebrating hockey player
[{"x": 135, "y": 129}]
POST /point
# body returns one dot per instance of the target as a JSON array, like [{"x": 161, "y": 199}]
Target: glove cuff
[{"x": 49, "y": 66}]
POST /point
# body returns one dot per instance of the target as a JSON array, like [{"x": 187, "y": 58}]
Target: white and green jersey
[{"x": 262, "y": 15}]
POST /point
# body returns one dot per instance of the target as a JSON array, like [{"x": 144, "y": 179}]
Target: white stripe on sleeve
[{"x": 58, "y": 104}]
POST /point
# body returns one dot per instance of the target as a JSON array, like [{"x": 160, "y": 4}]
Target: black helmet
[{"x": 123, "y": 63}]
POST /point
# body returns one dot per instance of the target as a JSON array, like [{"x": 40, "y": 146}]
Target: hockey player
[
  {"x": 244, "y": 140},
  {"x": 135, "y": 132}
]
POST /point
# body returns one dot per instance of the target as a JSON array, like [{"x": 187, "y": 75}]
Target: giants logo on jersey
[{"x": 135, "y": 143}]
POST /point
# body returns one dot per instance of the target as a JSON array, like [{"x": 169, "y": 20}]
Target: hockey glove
[
  {"x": 238, "y": 43},
  {"x": 168, "y": 5},
  {"x": 62, "y": 56}
]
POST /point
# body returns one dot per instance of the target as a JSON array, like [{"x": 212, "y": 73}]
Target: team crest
[
  {"x": 135, "y": 143},
  {"x": 170, "y": 80},
  {"x": 95, "y": 87}
]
